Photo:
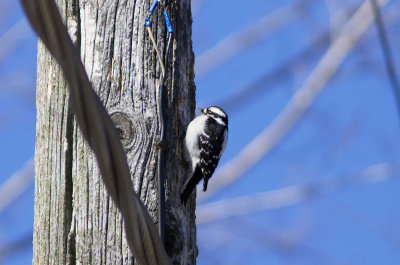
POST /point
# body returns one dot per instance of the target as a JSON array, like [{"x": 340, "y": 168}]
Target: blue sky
[
  {"x": 17, "y": 126},
  {"x": 352, "y": 125}
]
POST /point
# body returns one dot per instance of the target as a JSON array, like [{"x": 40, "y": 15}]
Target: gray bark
[{"x": 75, "y": 220}]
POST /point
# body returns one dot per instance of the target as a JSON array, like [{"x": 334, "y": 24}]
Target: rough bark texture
[{"x": 75, "y": 220}]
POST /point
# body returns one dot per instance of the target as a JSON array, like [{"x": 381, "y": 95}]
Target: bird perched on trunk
[{"x": 205, "y": 142}]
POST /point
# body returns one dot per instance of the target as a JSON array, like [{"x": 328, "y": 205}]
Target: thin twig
[
  {"x": 299, "y": 104},
  {"x": 387, "y": 53},
  {"x": 295, "y": 194}
]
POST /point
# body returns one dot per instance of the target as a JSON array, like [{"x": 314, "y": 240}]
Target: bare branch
[
  {"x": 17, "y": 184},
  {"x": 387, "y": 53},
  {"x": 295, "y": 194},
  {"x": 266, "y": 81},
  {"x": 300, "y": 102},
  {"x": 12, "y": 248},
  {"x": 291, "y": 242},
  {"x": 196, "y": 6},
  {"x": 235, "y": 43},
  {"x": 10, "y": 40}
]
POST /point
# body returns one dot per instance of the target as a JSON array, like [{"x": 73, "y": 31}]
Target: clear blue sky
[{"x": 351, "y": 126}]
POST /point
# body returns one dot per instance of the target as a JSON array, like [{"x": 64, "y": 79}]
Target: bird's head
[{"x": 217, "y": 114}]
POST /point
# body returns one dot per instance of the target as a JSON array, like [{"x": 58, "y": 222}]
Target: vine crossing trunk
[{"x": 75, "y": 220}]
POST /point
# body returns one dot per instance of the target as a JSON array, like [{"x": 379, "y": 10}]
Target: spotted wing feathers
[{"x": 208, "y": 158}]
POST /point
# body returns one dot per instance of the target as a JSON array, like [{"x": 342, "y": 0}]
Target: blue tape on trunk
[
  {"x": 168, "y": 22},
  {"x": 153, "y": 6}
]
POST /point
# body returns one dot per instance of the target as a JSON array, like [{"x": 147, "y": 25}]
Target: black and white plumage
[{"x": 205, "y": 142}]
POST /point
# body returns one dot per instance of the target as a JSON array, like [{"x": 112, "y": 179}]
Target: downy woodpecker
[{"x": 205, "y": 141}]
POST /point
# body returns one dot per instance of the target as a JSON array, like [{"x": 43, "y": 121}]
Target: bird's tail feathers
[{"x": 190, "y": 184}]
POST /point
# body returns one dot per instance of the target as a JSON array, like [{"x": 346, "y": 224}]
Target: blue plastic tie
[
  {"x": 167, "y": 22},
  {"x": 153, "y": 6},
  {"x": 147, "y": 22}
]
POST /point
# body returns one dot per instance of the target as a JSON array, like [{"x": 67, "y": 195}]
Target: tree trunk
[{"x": 75, "y": 220}]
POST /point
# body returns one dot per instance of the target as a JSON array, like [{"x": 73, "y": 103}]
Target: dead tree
[{"x": 76, "y": 222}]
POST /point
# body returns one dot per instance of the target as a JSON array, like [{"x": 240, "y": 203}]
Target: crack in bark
[{"x": 92, "y": 230}]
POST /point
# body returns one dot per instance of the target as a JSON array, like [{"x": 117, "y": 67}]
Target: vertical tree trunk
[{"x": 75, "y": 220}]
